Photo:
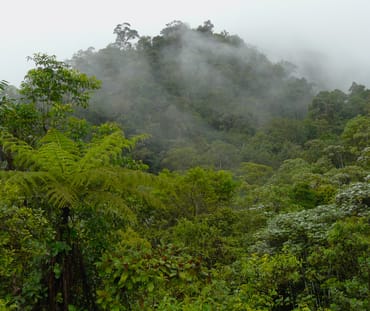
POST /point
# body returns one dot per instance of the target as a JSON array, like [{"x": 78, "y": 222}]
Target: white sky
[{"x": 328, "y": 36}]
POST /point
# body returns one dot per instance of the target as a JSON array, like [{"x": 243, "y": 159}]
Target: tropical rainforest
[{"x": 183, "y": 171}]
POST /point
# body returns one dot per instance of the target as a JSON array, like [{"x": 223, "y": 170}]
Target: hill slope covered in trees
[{"x": 195, "y": 91}]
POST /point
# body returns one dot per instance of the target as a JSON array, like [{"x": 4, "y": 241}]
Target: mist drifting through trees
[{"x": 182, "y": 171}]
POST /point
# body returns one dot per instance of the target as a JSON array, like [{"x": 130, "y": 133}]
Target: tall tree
[
  {"x": 54, "y": 88},
  {"x": 64, "y": 178},
  {"x": 124, "y": 34}
]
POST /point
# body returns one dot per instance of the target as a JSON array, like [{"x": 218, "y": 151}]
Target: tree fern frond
[
  {"x": 111, "y": 205},
  {"x": 60, "y": 195},
  {"x": 58, "y": 153},
  {"x": 104, "y": 178},
  {"x": 140, "y": 185},
  {"x": 132, "y": 142},
  {"x": 113, "y": 179},
  {"x": 64, "y": 143},
  {"x": 24, "y": 154},
  {"x": 56, "y": 160},
  {"x": 104, "y": 151},
  {"x": 29, "y": 183}
]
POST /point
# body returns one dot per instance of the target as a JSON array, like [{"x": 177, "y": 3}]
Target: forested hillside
[
  {"x": 184, "y": 171},
  {"x": 201, "y": 95}
]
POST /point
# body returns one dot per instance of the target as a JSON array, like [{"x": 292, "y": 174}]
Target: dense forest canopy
[{"x": 184, "y": 171}]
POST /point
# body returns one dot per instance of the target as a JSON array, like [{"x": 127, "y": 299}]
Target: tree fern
[
  {"x": 64, "y": 143},
  {"x": 103, "y": 151},
  {"x": 69, "y": 181},
  {"x": 68, "y": 174}
]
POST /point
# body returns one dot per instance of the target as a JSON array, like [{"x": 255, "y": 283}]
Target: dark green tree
[{"x": 65, "y": 178}]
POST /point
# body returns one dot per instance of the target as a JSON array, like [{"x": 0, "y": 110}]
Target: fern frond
[
  {"x": 41, "y": 184},
  {"x": 64, "y": 143},
  {"x": 140, "y": 185},
  {"x": 56, "y": 160},
  {"x": 104, "y": 151},
  {"x": 29, "y": 183},
  {"x": 132, "y": 142},
  {"x": 24, "y": 154},
  {"x": 104, "y": 178},
  {"x": 111, "y": 205},
  {"x": 60, "y": 195},
  {"x": 58, "y": 153}
]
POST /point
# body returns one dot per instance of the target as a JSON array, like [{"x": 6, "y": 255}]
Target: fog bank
[{"x": 327, "y": 40}]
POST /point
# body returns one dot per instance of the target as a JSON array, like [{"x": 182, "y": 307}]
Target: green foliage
[
  {"x": 210, "y": 243},
  {"x": 137, "y": 276},
  {"x": 355, "y": 200},
  {"x": 124, "y": 34},
  {"x": 25, "y": 235},
  {"x": 254, "y": 173},
  {"x": 53, "y": 89},
  {"x": 342, "y": 266},
  {"x": 52, "y": 82},
  {"x": 356, "y": 134},
  {"x": 66, "y": 178},
  {"x": 199, "y": 191},
  {"x": 303, "y": 194},
  {"x": 327, "y": 105},
  {"x": 3, "y": 85},
  {"x": 22, "y": 120},
  {"x": 269, "y": 281}
]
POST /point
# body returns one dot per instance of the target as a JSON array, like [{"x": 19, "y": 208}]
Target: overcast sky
[{"x": 328, "y": 39}]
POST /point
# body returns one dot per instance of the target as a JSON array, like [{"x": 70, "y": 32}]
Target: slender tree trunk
[
  {"x": 73, "y": 280},
  {"x": 7, "y": 156},
  {"x": 60, "y": 288},
  {"x": 66, "y": 259},
  {"x": 52, "y": 286}
]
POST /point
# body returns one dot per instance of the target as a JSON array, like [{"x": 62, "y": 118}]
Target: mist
[
  {"x": 327, "y": 70},
  {"x": 195, "y": 90},
  {"x": 326, "y": 40}
]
